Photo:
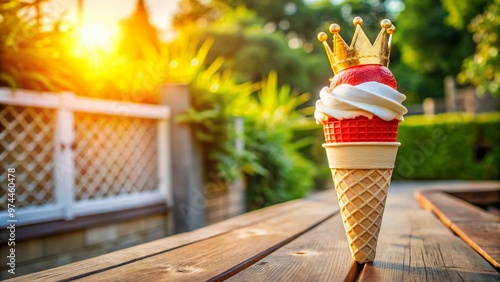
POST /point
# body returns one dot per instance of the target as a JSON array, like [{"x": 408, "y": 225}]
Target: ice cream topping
[{"x": 366, "y": 99}]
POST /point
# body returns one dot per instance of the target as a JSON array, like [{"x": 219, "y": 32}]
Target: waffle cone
[
  {"x": 361, "y": 195},
  {"x": 362, "y": 173}
]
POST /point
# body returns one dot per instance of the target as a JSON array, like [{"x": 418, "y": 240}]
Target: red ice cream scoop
[
  {"x": 364, "y": 73},
  {"x": 361, "y": 129}
]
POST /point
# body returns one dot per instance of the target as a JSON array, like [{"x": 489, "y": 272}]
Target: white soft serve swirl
[{"x": 365, "y": 99}]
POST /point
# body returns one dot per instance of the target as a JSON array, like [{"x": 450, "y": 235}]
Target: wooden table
[{"x": 304, "y": 240}]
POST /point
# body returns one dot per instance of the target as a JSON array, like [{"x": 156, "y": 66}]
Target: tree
[
  {"x": 481, "y": 69},
  {"x": 482, "y": 19},
  {"x": 138, "y": 68},
  {"x": 460, "y": 13},
  {"x": 34, "y": 54},
  {"x": 250, "y": 47},
  {"x": 140, "y": 38},
  {"x": 430, "y": 49},
  {"x": 259, "y": 35}
]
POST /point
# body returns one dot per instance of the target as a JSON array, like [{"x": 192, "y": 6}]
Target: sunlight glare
[{"x": 95, "y": 35}]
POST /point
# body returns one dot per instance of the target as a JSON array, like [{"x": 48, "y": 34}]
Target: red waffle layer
[{"x": 360, "y": 129}]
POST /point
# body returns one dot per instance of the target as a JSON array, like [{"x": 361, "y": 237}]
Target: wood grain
[
  {"x": 136, "y": 253},
  {"x": 222, "y": 256},
  {"x": 484, "y": 237},
  {"x": 304, "y": 240},
  {"x": 415, "y": 246},
  {"x": 321, "y": 254},
  {"x": 478, "y": 228},
  {"x": 451, "y": 209},
  {"x": 479, "y": 196}
]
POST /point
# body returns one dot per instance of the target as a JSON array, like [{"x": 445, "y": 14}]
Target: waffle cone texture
[
  {"x": 361, "y": 195},
  {"x": 361, "y": 172}
]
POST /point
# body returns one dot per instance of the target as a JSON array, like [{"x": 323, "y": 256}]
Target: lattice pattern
[
  {"x": 114, "y": 155},
  {"x": 360, "y": 129},
  {"x": 362, "y": 194},
  {"x": 27, "y": 144}
]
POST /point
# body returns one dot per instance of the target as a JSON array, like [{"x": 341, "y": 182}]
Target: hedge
[{"x": 449, "y": 146}]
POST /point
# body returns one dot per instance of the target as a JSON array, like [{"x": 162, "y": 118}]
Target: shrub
[
  {"x": 270, "y": 135},
  {"x": 271, "y": 162},
  {"x": 216, "y": 102},
  {"x": 34, "y": 56},
  {"x": 449, "y": 146}
]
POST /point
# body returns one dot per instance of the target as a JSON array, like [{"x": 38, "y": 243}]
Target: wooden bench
[
  {"x": 477, "y": 227},
  {"x": 302, "y": 240}
]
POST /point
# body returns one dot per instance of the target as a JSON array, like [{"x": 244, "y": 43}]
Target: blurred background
[{"x": 130, "y": 120}]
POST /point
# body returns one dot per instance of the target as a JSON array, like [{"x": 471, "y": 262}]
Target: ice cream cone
[
  {"x": 362, "y": 174},
  {"x": 360, "y": 112}
]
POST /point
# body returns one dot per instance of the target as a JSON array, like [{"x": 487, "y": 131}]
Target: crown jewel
[{"x": 361, "y": 51}]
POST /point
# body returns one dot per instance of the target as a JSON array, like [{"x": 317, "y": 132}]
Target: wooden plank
[
  {"x": 220, "y": 257},
  {"x": 481, "y": 197},
  {"x": 453, "y": 186},
  {"x": 483, "y": 237},
  {"x": 479, "y": 229},
  {"x": 321, "y": 254},
  {"x": 129, "y": 255},
  {"x": 415, "y": 246},
  {"x": 451, "y": 209}
]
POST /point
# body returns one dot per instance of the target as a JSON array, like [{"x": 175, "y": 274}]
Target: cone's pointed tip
[{"x": 363, "y": 260}]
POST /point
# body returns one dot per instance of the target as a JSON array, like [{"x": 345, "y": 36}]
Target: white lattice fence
[
  {"x": 27, "y": 142},
  {"x": 114, "y": 156},
  {"x": 77, "y": 156}
]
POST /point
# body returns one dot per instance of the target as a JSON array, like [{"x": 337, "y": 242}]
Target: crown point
[
  {"x": 334, "y": 28},
  {"x": 357, "y": 21},
  {"x": 361, "y": 51},
  {"x": 322, "y": 36},
  {"x": 391, "y": 29},
  {"x": 385, "y": 23}
]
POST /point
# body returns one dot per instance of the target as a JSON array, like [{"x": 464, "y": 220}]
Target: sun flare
[{"x": 95, "y": 35}]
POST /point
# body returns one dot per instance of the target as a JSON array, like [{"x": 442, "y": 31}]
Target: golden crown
[{"x": 361, "y": 51}]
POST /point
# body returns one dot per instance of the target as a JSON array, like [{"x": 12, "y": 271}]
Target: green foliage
[
  {"x": 429, "y": 47},
  {"x": 42, "y": 53},
  {"x": 253, "y": 36},
  {"x": 253, "y": 46},
  {"x": 134, "y": 69},
  {"x": 270, "y": 160},
  {"x": 449, "y": 146},
  {"x": 460, "y": 13},
  {"x": 34, "y": 56},
  {"x": 287, "y": 174},
  {"x": 216, "y": 102},
  {"x": 482, "y": 68},
  {"x": 252, "y": 52},
  {"x": 269, "y": 134}
]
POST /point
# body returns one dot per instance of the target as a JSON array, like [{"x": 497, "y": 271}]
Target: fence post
[
  {"x": 450, "y": 94},
  {"x": 187, "y": 167},
  {"x": 164, "y": 161},
  {"x": 64, "y": 168},
  {"x": 237, "y": 195}
]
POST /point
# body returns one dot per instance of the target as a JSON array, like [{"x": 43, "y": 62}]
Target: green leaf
[{"x": 9, "y": 80}]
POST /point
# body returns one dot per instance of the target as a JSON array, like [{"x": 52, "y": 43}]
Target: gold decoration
[{"x": 361, "y": 51}]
